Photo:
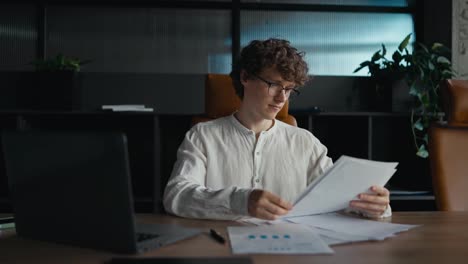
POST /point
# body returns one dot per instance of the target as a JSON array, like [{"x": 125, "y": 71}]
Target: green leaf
[
  {"x": 418, "y": 125},
  {"x": 447, "y": 74},
  {"x": 396, "y": 57},
  {"x": 376, "y": 56},
  {"x": 442, "y": 59},
  {"x": 423, "y": 47},
  {"x": 363, "y": 64},
  {"x": 436, "y": 45},
  {"x": 430, "y": 65},
  {"x": 413, "y": 89},
  {"x": 404, "y": 43},
  {"x": 422, "y": 152},
  {"x": 58, "y": 63},
  {"x": 384, "y": 50}
]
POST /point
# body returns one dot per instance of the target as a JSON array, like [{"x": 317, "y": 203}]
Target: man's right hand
[{"x": 265, "y": 205}]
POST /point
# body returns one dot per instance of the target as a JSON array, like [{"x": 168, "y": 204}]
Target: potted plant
[
  {"x": 386, "y": 73},
  {"x": 423, "y": 70},
  {"x": 54, "y": 85},
  {"x": 59, "y": 63},
  {"x": 428, "y": 68}
]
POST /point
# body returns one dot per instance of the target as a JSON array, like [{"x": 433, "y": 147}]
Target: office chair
[
  {"x": 221, "y": 100},
  {"x": 448, "y": 148}
]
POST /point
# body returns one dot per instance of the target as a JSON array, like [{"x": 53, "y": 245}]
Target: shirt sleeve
[
  {"x": 186, "y": 193},
  {"x": 319, "y": 161}
]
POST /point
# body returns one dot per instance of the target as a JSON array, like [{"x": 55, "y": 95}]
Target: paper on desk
[
  {"x": 285, "y": 238},
  {"x": 354, "y": 226},
  {"x": 333, "y": 238},
  {"x": 340, "y": 184}
]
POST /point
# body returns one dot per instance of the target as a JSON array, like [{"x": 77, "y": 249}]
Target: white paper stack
[
  {"x": 342, "y": 228},
  {"x": 340, "y": 184},
  {"x": 318, "y": 205}
]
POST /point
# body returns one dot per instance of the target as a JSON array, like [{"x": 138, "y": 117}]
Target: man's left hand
[{"x": 374, "y": 203}]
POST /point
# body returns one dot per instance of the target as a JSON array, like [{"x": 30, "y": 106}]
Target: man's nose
[{"x": 281, "y": 96}]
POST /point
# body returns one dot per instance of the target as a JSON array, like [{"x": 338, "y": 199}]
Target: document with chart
[
  {"x": 340, "y": 184},
  {"x": 284, "y": 238}
]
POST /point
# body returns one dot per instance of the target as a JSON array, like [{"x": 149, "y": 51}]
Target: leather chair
[
  {"x": 448, "y": 148},
  {"x": 221, "y": 100}
]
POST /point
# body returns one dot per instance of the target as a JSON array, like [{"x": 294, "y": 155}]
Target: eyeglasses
[{"x": 274, "y": 89}]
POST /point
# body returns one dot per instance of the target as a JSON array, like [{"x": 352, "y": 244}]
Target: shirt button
[
  {"x": 258, "y": 153},
  {"x": 257, "y": 180}
]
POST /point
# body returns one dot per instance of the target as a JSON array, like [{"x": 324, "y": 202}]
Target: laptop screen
[{"x": 71, "y": 187}]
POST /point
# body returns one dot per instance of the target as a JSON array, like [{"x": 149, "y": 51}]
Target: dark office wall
[
  {"x": 180, "y": 93},
  {"x": 433, "y": 21},
  {"x": 168, "y": 92},
  {"x": 436, "y": 21}
]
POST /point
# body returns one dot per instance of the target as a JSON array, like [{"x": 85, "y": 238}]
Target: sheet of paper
[
  {"x": 285, "y": 238},
  {"x": 340, "y": 184},
  {"x": 372, "y": 230},
  {"x": 333, "y": 238}
]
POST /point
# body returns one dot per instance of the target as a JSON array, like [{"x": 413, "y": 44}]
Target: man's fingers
[
  {"x": 372, "y": 198},
  {"x": 379, "y": 190},
  {"x": 265, "y": 205},
  {"x": 264, "y": 214},
  {"x": 279, "y": 202},
  {"x": 370, "y": 208},
  {"x": 274, "y": 209}
]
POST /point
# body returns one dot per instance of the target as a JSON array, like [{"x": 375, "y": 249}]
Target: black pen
[{"x": 218, "y": 237}]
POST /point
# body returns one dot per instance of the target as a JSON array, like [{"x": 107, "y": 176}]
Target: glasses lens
[{"x": 275, "y": 89}]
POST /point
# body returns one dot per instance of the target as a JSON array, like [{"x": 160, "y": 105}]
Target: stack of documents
[
  {"x": 317, "y": 207},
  {"x": 340, "y": 184},
  {"x": 338, "y": 228},
  {"x": 127, "y": 108}
]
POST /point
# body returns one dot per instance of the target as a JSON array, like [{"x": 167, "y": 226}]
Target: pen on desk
[{"x": 217, "y": 236}]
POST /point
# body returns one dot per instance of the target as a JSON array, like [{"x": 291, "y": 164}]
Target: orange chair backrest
[
  {"x": 448, "y": 148},
  {"x": 221, "y": 100}
]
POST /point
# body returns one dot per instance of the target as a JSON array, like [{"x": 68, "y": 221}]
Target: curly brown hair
[{"x": 260, "y": 55}]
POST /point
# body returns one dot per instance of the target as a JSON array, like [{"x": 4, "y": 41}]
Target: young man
[{"x": 249, "y": 163}]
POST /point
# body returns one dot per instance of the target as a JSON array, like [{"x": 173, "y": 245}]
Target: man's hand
[
  {"x": 373, "y": 204},
  {"x": 265, "y": 205}
]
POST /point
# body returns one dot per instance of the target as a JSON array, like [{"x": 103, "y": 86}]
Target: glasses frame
[{"x": 293, "y": 92}]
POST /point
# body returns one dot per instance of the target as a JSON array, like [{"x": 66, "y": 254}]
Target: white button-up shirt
[{"x": 220, "y": 162}]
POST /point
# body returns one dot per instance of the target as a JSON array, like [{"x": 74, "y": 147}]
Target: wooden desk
[{"x": 442, "y": 238}]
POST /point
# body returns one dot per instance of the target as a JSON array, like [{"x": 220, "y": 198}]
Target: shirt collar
[{"x": 243, "y": 129}]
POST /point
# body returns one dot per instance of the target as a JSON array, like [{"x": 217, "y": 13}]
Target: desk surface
[{"x": 442, "y": 238}]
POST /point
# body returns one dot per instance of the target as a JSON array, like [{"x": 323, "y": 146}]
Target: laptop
[{"x": 74, "y": 187}]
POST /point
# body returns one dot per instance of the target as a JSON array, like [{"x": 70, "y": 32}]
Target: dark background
[{"x": 347, "y": 126}]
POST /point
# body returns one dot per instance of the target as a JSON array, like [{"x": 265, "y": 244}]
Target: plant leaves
[
  {"x": 404, "y": 43},
  {"x": 363, "y": 64},
  {"x": 376, "y": 56},
  {"x": 422, "y": 152},
  {"x": 396, "y": 57},
  {"x": 418, "y": 125},
  {"x": 442, "y": 59},
  {"x": 430, "y": 65},
  {"x": 413, "y": 89},
  {"x": 426, "y": 138},
  {"x": 423, "y": 47}
]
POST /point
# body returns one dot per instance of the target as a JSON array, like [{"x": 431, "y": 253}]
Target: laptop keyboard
[{"x": 145, "y": 236}]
